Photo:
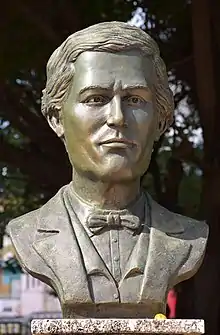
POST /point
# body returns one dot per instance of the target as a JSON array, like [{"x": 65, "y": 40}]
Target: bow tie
[{"x": 96, "y": 222}]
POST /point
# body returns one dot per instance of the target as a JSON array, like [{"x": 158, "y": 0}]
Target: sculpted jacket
[{"x": 52, "y": 245}]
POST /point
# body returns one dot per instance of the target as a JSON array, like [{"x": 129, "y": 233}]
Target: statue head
[{"x": 107, "y": 97}]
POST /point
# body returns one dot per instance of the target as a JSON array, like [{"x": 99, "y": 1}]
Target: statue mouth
[{"x": 118, "y": 143}]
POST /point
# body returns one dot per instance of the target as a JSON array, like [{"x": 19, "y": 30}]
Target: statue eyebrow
[
  {"x": 137, "y": 87},
  {"x": 95, "y": 87},
  {"x": 125, "y": 88}
]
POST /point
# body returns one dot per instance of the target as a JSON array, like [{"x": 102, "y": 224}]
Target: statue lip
[{"x": 119, "y": 142}]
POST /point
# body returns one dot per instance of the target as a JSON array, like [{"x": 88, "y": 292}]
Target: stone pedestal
[{"x": 116, "y": 326}]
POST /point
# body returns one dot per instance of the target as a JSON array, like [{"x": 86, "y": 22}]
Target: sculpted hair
[{"x": 110, "y": 37}]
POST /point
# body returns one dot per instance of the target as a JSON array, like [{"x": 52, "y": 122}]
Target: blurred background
[{"x": 184, "y": 173}]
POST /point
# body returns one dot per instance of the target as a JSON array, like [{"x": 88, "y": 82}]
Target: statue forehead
[{"x": 104, "y": 68}]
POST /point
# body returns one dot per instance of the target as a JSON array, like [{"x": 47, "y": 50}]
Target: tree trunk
[{"x": 203, "y": 289}]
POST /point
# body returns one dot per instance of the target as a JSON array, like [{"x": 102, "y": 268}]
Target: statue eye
[
  {"x": 96, "y": 100},
  {"x": 135, "y": 100}
]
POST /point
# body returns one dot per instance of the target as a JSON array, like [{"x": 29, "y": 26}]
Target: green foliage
[{"x": 33, "y": 161}]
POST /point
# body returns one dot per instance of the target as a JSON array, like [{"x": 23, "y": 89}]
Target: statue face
[{"x": 109, "y": 119}]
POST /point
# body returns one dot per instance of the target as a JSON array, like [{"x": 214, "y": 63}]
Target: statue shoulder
[
  {"x": 196, "y": 235},
  {"x": 190, "y": 232},
  {"x": 21, "y": 226},
  {"x": 27, "y": 223},
  {"x": 23, "y": 232},
  {"x": 171, "y": 222}
]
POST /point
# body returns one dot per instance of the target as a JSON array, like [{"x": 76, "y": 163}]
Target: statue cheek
[{"x": 88, "y": 119}]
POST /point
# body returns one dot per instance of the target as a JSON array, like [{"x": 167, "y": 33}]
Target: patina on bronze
[{"x": 105, "y": 247}]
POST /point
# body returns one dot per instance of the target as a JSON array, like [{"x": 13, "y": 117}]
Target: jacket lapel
[
  {"x": 92, "y": 261},
  {"x": 56, "y": 243},
  {"x": 101, "y": 282},
  {"x": 137, "y": 259},
  {"x": 132, "y": 277},
  {"x": 166, "y": 253},
  {"x": 64, "y": 244}
]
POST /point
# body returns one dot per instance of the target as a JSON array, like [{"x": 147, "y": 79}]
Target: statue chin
[
  {"x": 116, "y": 174},
  {"x": 116, "y": 170}
]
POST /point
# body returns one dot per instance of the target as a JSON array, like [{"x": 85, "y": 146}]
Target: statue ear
[{"x": 54, "y": 118}]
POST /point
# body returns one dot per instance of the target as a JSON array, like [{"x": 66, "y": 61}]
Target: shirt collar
[{"x": 82, "y": 209}]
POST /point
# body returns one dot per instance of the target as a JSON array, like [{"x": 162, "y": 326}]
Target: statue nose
[{"x": 116, "y": 115}]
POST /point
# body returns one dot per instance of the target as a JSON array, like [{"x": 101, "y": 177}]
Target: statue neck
[{"x": 105, "y": 195}]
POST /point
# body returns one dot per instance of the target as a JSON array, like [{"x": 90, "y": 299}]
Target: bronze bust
[{"x": 101, "y": 243}]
